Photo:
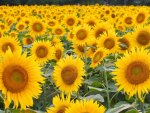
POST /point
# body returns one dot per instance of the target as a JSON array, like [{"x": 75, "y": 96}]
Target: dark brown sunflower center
[
  {"x": 81, "y": 34},
  {"x": 99, "y": 32},
  {"x": 15, "y": 78},
  {"x": 58, "y": 31},
  {"x": 97, "y": 57},
  {"x": 143, "y": 38},
  {"x": 51, "y": 23},
  {"x": 124, "y": 44},
  {"x": 62, "y": 109},
  {"x": 6, "y": 46},
  {"x": 81, "y": 49},
  {"x": 41, "y": 51},
  {"x": 69, "y": 74},
  {"x": 91, "y": 23},
  {"x": 109, "y": 43},
  {"x": 37, "y": 27},
  {"x": 58, "y": 54},
  {"x": 70, "y": 21},
  {"x": 29, "y": 40},
  {"x": 71, "y": 36},
  {"x": 140, "y": 17},
  {"x": 128, "y": 20},
  {"x": 21, "y": 27},
  {"x": 137, "y": 72}
]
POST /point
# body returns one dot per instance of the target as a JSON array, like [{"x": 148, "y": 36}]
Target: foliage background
[{"x": 63, "y": 2}]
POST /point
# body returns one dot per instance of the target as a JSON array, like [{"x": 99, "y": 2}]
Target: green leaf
[
  {"x": 94, "y": 88},
  {"x": 96, "y": 97},
  {"x": 132, "y": 111},
  {"x": 119, "y": 109}
]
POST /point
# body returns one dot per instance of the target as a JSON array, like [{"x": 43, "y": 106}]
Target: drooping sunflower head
[
  {"x": 60, "y": 104},
  {"x": 126, "y": 42},
  {"x": 86, "y": 106},
  {"x": 68, "y": 74},
  {"x": 101, "y": 28},
  {"x": 98, "y": 56},
  {"x": 58, "y": 52},
  {"x": 132, "y": 72},
  {"x": 9, "y": 42},
  {"x": 19, "y": 76},
  {"x": 42, "y": 51},
  {"x": 79, "y": 50}
]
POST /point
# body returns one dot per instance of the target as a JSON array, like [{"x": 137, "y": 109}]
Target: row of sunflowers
[{"x": 74, "y": 59}]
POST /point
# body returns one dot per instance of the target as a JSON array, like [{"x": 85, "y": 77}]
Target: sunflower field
[{"x": 74, "y": 59}]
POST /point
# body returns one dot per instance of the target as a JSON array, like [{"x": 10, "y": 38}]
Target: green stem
[
  {"x": 107, "y": 90},
  {"x": 142, "y": 107}
]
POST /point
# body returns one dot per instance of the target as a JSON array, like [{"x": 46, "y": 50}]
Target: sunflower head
[{"x": 132, "y": 72}]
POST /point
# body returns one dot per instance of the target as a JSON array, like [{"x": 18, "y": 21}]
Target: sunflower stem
[
  {"x": 142, "y": 107},
  {"x": 107, "y": 90}
]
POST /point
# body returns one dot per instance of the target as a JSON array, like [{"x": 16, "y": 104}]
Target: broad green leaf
[{"x": 132, "y": 111}]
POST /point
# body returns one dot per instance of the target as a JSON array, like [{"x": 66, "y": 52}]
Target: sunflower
[
  {"x": 132, "y": 72},
  {"x": 55, "y": 41},
  {"x": 58, "y": 31},
  {"x": 28, "y": 40},
  {"x": 37, "y": 27},
  {"x": 70, "y": 21},
  {"x": 109, "y": 41},
  {"x": 20, "y": 26},
  {"x": 128, "y": 20},
  {"x": 52, "y": 23},
  {"x": 42, "y": 51},
  {"x": 79, "y": 50},
  {"x": 101, "y": 28},
  {"x": 70, "y": 36},
  {"x": 141, "y": 37},
  {"x": 9, "y": 42},
  {"x": 82, "y": 34},
  {"x": 98, "y": 56},
  {"x": 60, "y": 104},
  {"x": 58, "y": 51},
  {"x": 91, "y": 21},
  {"x": 86, "y": 106},
  {"x": 92, "y": 47},
  {"x": 68, "y": 74},
  {"x": 126, "y": 42},
  {"x": 141, "y": 17},
  {"x": 19, "y": 79}
]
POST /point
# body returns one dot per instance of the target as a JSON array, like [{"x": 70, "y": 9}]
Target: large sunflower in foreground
[
  {"x": 20, "y": 79},
  {"x": 86, "y": 106},
  {"x": 133, "y": 72},
  {"x": 60, "y": 104},
  {"x": 68, "y": 74},
  {"x": 9, "y": 42},
  {"x": 42, "y": 51}
]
